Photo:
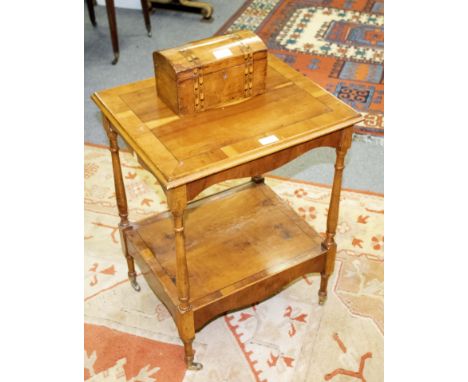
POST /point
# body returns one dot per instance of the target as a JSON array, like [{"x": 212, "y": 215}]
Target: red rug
[
  {"x": 337, "y": 43},
  {"x": 112, "y": 355}
]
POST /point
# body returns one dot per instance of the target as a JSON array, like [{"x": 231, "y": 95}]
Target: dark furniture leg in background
[
  {"x": 92, "y": 15},
  {"x": 145, "y": 9},
  {"x": 113, "y": 25},
  {"x": 110, "y": 7}
]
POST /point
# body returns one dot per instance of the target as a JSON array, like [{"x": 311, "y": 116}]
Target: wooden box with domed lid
[{"x": 211, "y": 73}]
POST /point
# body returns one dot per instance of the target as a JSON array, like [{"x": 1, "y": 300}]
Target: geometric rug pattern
[
  {"x": 130, "y": 336},
  {"x": 339, "y": 44}
]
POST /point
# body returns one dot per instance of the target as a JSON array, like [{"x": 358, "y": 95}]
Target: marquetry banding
[
  {"x": 199, "y": 95},
  {"x": 248, "y": 62}
]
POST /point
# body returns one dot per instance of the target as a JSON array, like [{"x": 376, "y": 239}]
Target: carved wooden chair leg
[
  {"x": 332, "y": 220},
  {"x": 146, "y": 16},
  {"x": 121, "y": 199}
]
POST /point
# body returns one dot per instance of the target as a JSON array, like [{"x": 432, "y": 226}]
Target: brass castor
[
  {"x": 207, "y": 12},
  {"x": 135, "y": 285},
  {"x": 322, "y": 298},
  {"x": 116, "y": 58},
  {"x": 195, "y": 366}
]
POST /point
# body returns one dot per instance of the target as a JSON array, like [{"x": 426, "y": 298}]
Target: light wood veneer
[{"x": 238, "y": 247}]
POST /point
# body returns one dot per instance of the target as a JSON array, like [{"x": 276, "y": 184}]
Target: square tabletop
[{"x": 178, "y": 150}]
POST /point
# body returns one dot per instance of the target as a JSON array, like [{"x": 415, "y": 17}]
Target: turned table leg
[
  {"x": 177, "y": 201},
  {"x": 121, "y": 200},
  {"x": 332, "y": 220}
]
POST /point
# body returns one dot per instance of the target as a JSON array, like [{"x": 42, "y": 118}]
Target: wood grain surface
[
  {"x": 178, "y": 150},
  {"x": 205, "y": 257}
]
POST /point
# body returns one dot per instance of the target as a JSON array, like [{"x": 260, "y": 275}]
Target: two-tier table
[{"x": 242, "y": 245}]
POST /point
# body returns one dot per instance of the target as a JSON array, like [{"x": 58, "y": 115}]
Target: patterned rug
[
  {"x": 130, "y": 336},
  {"x": 337, "y": 43}
]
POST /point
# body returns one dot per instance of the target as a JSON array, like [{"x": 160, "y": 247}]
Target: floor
[{"x": 364, "y": 162}]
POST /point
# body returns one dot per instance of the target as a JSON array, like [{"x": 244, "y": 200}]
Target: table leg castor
[
  {"x": 322, "y": 298},
  {"x": 323, "y": 289},
  {"x": 189, "y": 355},
  {"x": 258, "y": 179},
  {"x": 116, "y": 58},
  {"x": 135, "y": 284},
  {"x": 194, "y": 366}
]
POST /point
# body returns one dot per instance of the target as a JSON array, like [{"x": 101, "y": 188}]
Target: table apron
[{"x": 264, "y": 164}]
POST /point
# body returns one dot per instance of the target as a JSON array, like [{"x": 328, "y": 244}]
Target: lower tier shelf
[{"x": 242, "y": 245}]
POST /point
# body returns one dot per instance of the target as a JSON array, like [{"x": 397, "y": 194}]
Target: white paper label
[
  {"x": 222, "y": 53},
  {"x": 268, "y": 140}
]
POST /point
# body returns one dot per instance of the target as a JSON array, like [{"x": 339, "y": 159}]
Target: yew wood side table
[{"x": 242, "y": 245}]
